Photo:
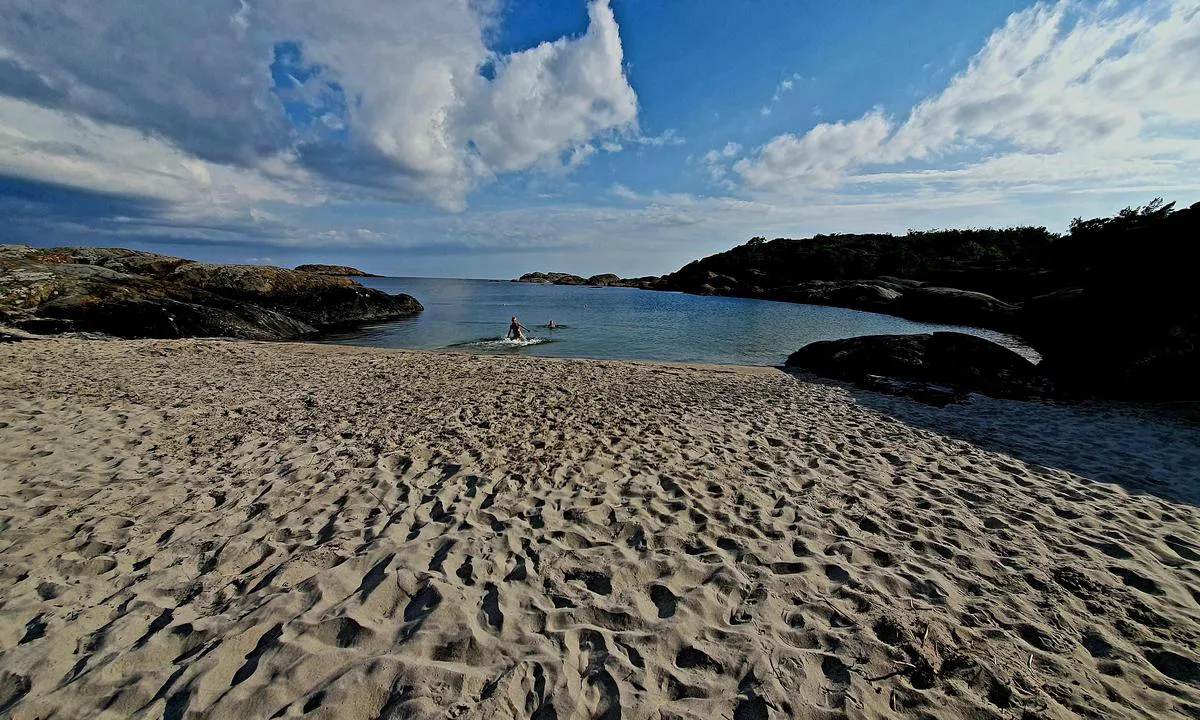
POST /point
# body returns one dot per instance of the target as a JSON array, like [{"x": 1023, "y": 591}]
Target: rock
[
  {"x": 343, "y": 270},
  {"x": 956, "y": 307},
  {"x": 962, "y": 362},
  {"x": 133, "y": 294},
  {"x": 318, "y": 300},
  {"x": 1117, "y": 344},
  {"x": 873, "y": 295},
  {"x": 903, "y": 298},
  {"x": 645, "y": 282},
  {"x": 553, "y": 278},
  {"x": 928, "y": 393},
  {"x": 649, "y": 282}
]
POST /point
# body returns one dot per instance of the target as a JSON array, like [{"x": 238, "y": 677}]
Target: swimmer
[{"x": 516, "y": 331}]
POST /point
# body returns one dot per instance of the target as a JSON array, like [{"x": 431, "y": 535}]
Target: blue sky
[{"x": 486, "y": 138}]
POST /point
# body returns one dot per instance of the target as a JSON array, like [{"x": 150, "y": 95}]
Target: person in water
[
  {"x": 551, "y": 325},
  {"x": 516, "y": 331}
]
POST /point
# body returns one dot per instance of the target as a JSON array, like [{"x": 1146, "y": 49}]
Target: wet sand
[{"x": 196, "y": 529}]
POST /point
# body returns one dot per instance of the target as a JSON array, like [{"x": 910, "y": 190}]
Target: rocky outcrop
[
  {"x": 1110, "y": 305},
  {"x": 903, "y": 298},
  {"x": 1129, "y": 344},
  {"x": 343, "y": 270},
  {"x": 958, "y": 362},
  {"x": 553, "y": 278},
  {"x": 952, "y": 306},
  {"x": 134, "y": 294},
  {"x": 649, "y": 282}
]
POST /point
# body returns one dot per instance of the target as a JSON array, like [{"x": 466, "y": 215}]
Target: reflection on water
[{"x": 620, "y": 323}]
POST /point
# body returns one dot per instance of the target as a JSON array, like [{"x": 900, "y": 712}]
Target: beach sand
[{"x": 246, "y": 530}]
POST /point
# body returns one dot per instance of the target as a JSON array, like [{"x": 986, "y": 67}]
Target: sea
[{"x": 472, "y": 316}]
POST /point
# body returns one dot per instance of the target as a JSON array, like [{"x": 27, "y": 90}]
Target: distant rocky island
[
  {"x": 649, "y": 282},
  {"x": 132, "y": 294},
  {"x": 343, "y": 270}
]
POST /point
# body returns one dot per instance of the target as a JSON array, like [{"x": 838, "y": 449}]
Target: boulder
[
  {"x": 133, "y": 294},
  {"x": 343, "y": 270},
  {"x": 903, "y": 298},
  {"x": 856, "y": 294},
  {"x": 956, "y": 307},
  {"x": 965, "y": 363}
]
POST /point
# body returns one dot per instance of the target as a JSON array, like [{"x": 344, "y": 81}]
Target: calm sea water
[{"x": 619, "y": 323}]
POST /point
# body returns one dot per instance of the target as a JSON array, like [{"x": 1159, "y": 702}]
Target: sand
[{"x": 217, "y": 529}]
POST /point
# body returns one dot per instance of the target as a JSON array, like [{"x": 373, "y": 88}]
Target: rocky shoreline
[
  {"x": 1108, "y": 306},
  {"x": 132, "y": 294}
]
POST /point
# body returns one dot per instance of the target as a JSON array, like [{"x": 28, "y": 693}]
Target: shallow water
[{"x": 620, "y": 323}]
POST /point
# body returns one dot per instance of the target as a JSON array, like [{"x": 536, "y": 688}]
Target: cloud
[
  {"x": 47, "y": 146},
  {"x": 1059, "y": 93},
  {"x": 401, "y": 98},
  {"x": 714, "y": 160},
  {"x": 551, "y": 97},
  {"x": 785, "y": 86},
  {"x": 667, "y": 137},
  {"x": 817, "y": 159}
]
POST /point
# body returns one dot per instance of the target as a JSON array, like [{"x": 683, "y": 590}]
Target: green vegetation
[{"x": 1013, "y": 264}]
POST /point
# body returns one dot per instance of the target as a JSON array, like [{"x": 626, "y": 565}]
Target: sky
[{"x": 488, "y": 138}]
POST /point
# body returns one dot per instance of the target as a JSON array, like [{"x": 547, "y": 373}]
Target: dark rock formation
[
  {"x": 343, "y": 270},
  {"x": 135, "y": 294},
  {"x": 1009, "y": 264},
  {"x": 553, "y": 278},
  {"x": 956, "y": 307},
  {"x": 963, "y": 363},
  {"x": 1126, "y": 320},
  {"x": 1122, "y": 343},
  {"x": 649, "y": 282},
  {"x": 1110, "y": 306},
  {"x": 903, "y": 298}
]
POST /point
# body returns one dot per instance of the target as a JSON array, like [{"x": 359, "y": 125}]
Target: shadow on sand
[{"x": 1146, "y": 449}]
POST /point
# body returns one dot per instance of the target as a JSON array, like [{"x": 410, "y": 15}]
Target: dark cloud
[{"x": 42, "y": 213}]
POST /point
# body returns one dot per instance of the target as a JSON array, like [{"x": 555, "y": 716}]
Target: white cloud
[
  {"x": 714, "y": 160},
  {"x": 553, "y": 96},
  {"x": 667, "y": 137},
  {"x": 48, "y": 146},
  {"x": 785, "y": 86},
  {"x": 427, "y": 111},
  {"x": 1059, "y": 93},
  {"x": 819, "y": 158},
  {"x": 622, "y": 192}
]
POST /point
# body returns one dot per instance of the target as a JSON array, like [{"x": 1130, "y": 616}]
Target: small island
[
  {"x": 343, "y": 270},
  {"x": 649, "y": 282}
]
